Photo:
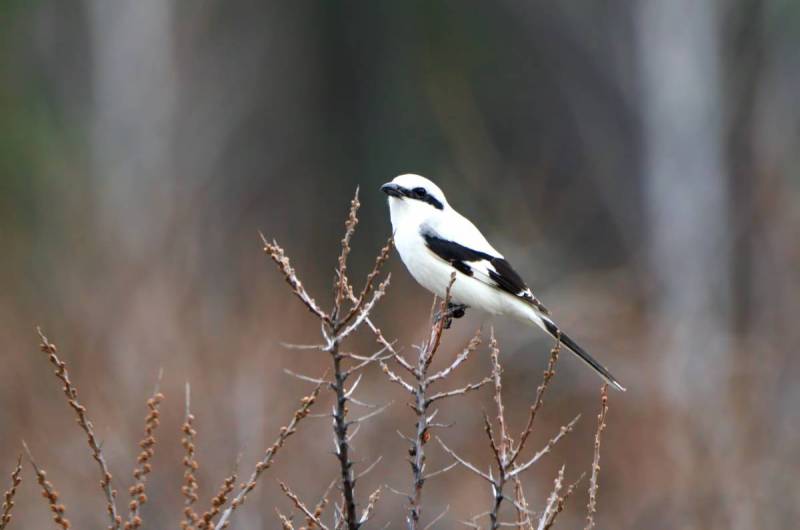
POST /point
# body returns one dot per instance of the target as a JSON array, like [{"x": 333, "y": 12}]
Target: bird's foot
[
  {"x": 452, "y": 311},
  {"x": 456, "y": 310}
]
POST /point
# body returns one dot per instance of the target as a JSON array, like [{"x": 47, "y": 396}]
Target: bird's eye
[{"x": 419, "y": 192}]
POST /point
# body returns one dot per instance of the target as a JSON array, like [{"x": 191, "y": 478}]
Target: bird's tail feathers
[{"x": 550, "y": 327}]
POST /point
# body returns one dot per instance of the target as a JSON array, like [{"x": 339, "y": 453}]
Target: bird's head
[{"x": 413, "y": 197}]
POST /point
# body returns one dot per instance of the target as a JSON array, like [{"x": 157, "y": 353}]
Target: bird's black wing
[{"x": 491, "y": 270}]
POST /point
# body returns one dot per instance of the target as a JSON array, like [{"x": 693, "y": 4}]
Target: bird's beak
[{"x": 392, "y": 190}]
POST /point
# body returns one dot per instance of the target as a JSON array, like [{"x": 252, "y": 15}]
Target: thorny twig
[
  {"x": 421, "y": 401},
  {"x": 591, "y": 507},
  {"x": 539, "y": 401},
  {"x": 83, "y": 420},
  {"x": 337, "y": 325},
  {"x": 504, "y": 449}
]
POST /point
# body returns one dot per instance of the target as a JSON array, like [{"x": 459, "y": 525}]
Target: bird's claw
[{"x": 452, "y": 311}]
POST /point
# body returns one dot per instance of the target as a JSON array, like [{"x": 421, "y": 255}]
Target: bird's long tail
[{"x": 550, "y": 327}]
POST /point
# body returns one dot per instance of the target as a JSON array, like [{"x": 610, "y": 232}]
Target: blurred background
[{"x": 636, "y": 161}]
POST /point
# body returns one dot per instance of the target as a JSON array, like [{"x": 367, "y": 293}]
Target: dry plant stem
[
  {"x": 503, "y": 447},
  {"x": 340, "y": 424},
  {"x": 537, "y": 404},
  {"x": 422, "y": 401},
  {"x": 143, "y": 465},
  {"x": 279, "y": 257},
  {"x": 8, "y": 496},
  {"x": 189, "y": 489},
  {"x": 83, "y": 421},
  {"x": 337, "y": 325},
  {"x": 340, "y": 427},
  {"x": 421, "y": 404},
  {"x": 591, "y": 507},
  {"x": 48, "y": 492},
  {"x": 266, "y": 462},
  {"x": 341, "y": 271},
  {"x": 339, "y": 328}
]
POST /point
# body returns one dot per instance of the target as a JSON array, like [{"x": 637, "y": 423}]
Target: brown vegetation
[{"x": 343, "y": 505}]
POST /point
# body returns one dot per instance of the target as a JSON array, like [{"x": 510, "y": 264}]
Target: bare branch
[
  {"x": 441, "y": 471},
  {"x": 546, "y": 377},
  {"x": 359, "y": 301},
  {"x": 397, "y": 492},
  {"x": 396, "y": 378},
  {"x": 591, "y": 507},
  {"x": 279, "y": 257},
  {"x": 349, "y": 392},
  {"x": 546, "y": 449},
  {"x": 365, "y": 310},
  {"x": 474, "y": 342},
  {"x": 371, "y": 414},
  {"x": 315, "y": 380},
  {"x": 83, "y": 421},
  {"x": 459, "y": 391},
  {"x": 341, "y": 271},
  {"x": 503, "y": 443},
  {"x": 464, "y": 463},
  {"x": 369, "y": 468},
  {"x": 376, "y": 357},
  {"x": 290, "y": 346}
]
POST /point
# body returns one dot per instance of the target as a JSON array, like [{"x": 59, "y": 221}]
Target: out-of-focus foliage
[{"x": 636, "y": 161}]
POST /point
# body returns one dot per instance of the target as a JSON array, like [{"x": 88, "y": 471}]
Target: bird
[{"x": 434, "y": 241}]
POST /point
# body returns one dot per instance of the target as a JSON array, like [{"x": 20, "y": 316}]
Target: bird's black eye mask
[{"x": 417, "y": 194}]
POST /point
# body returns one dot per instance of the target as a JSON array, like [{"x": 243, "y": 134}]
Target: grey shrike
[{"x": 434, "y": 240}]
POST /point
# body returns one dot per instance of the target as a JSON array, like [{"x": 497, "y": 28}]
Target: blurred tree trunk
[{"x": 686, "y": 203}]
